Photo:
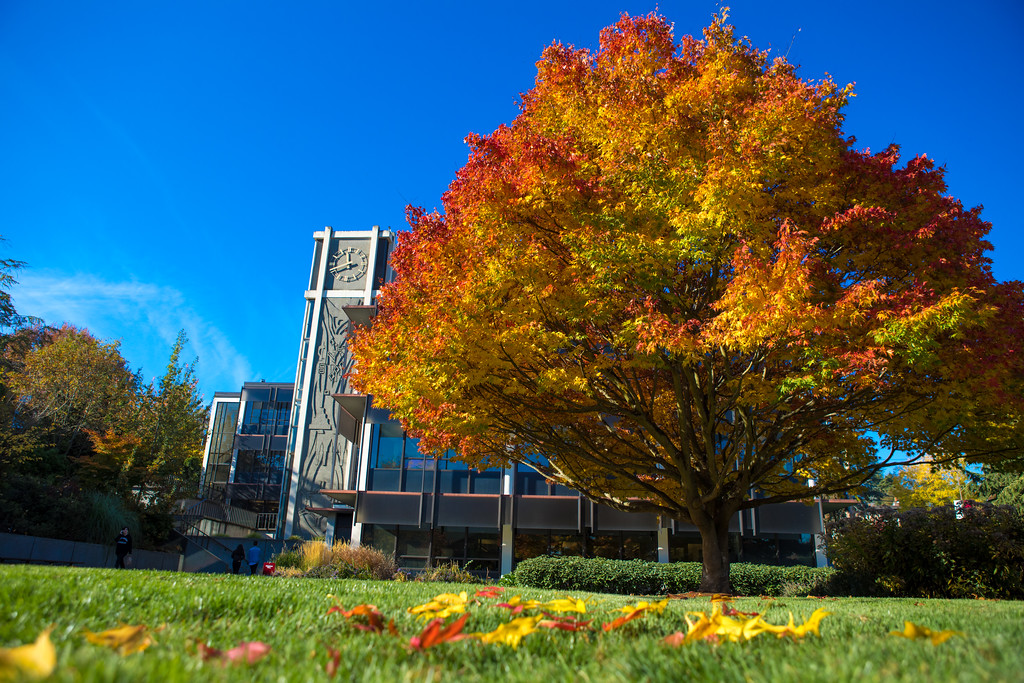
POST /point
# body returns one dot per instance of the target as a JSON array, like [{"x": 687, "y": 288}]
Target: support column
[
  {"x": 507, "y": 546},
  {"x": 662, "y": 545},
  {"x": 329, "y": 534}
]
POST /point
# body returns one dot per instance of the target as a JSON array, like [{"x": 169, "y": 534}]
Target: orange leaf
[
  {"x": 622, "y": 620},
  {"x": 433, "y": 634}
]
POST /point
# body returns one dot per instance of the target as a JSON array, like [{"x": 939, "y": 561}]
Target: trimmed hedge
[{"x": 637, "y": 577}]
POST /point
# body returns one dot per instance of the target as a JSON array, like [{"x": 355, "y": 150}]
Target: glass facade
[
  {"x": 616, "y": 545},
  {"x": 396, "y": 464},
  {"x": 222, "y": 439},
  {"x": 267, "y": 417},
  {"x": 476, "y": 549}
]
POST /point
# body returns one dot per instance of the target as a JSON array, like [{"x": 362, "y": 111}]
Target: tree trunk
[{"x": 715, "y": 547}]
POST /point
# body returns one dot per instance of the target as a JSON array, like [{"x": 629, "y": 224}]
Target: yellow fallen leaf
[
  {"x": 510, "y": 633},
  {"x": 37, "y": 660},
  {"x": 914, "y": 632},
  {"x": 124, "y": 640}
]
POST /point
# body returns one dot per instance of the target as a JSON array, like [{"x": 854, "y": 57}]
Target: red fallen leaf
[
  {"x": 513, "y": 609},
  {"x": 333, "y": 661},
  {"x": 489, "y": 592},
  {"x": 564, "y": 623},
  {"x": 433, "y": 634},
  {"x": 249, "y": 652},
  {"x": 675, "y": 640},
  {"x": 622, "y": 620},
  {"x": 732, "y": 612},
  {"x": 374, "y": 619}
]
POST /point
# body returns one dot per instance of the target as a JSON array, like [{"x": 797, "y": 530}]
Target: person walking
[
  {"x": 123, "y": 548},
  {"x": 254, "y": 558},
  {"x": 237, "y": 555}
]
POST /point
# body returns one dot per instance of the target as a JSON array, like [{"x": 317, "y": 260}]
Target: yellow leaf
[
  {"x": 37, "y": 660},
  {"x": 124, "y": 640},
  {"x": 914, "y": 632},
  {"x": 566, "y": 604},
  {"x": 510, "y": 633}
]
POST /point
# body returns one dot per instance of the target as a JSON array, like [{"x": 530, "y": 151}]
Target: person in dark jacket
[
  {"x": 236, "y": 558},
  {"x": 122, "y": 547}
]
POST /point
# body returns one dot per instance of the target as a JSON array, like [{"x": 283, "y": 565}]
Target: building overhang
[
  {"x": 360, "y": 315},
  {"x": 350, "y": 421},
  {"x": 833, "y": 504},
  {"x": 345, "y": 497}
]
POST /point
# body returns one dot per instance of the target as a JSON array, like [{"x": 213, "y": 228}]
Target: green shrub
[
  {"x": 638, "y": 577},
  {"x": 928, "y": 552}
]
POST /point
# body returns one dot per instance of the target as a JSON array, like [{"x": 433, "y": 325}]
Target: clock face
[{"x": 349, "y": 264}]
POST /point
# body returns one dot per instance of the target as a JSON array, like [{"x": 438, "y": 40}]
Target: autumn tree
[
  {"x": 71, "y": 383},
  {"x": 926, "y": 485},
  {"x": 673, "y": 284},
  {"x": 155, "y": 455}
]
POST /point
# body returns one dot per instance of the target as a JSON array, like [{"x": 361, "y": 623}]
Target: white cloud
[{"x": 144, "y": 317}]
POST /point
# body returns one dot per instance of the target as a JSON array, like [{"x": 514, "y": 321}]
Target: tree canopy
[{"x": 673, "y": 284}]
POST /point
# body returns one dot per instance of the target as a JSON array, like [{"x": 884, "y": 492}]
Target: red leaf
[
  {"x": 564, "y": 623},
  {"x": 489, "y": 592},
  {"x": 246, "y": 651},
  {"x": 433, "y": 634},
  {"x": 333, "y": 660}
]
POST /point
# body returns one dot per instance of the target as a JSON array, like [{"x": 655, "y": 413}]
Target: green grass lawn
[{"x": 290, "y": 616}]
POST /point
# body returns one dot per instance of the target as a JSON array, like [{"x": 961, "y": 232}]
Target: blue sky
[{"x": 164, "y": 164}]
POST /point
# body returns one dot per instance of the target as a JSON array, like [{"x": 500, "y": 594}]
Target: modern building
[
  {"x": 243, "y": 466},
  {"x": 351, "y": 472}
]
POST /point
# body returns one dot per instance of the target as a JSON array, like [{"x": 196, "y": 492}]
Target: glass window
[
  {"x": 383, "y": 538},
  {"x": 482, "y": 543},
  {"x": 449, "y": 543},
  {"x": 389, "y": 446},
  {"x": 604, "y": 545},
  {"x": 413, "y": 541}
]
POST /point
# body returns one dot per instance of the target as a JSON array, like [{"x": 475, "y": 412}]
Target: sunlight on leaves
[
  {"x": 739, "y": 626},
  {"x": 35, "y": 660},
  {"x": 442, "y": 606}
]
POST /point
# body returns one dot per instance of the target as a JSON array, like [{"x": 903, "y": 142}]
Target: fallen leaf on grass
[
  {"x": 511, "y": 633},
  {"x": 913, "y": 632},
  {"x": 441, "y": 607},
  {"x": 374, "y": 619},
  {"x": 333, "y": 660},
  {"x": 124, "y": 640},
  {"x": 489, "y": 592},
  {"x": 249, "y": 652},
  {"x": 35, "y": 660},
  {"x": 434, "y": 634},
  {"x": 564, "y": 623},
  {"x": 622, "y": 620}
]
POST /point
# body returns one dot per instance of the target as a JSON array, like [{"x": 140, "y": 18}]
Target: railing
[
  {"x": 219, "y": 512},
  {"x": 266, "y": 521}
]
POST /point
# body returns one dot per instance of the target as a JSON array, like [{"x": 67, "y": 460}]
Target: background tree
[
  {"x": 156, "y": 455},
  {"x": 925, "y": 485},
  {"x": 674, "y": 285},
  {"x": 73, "y": 383}
]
